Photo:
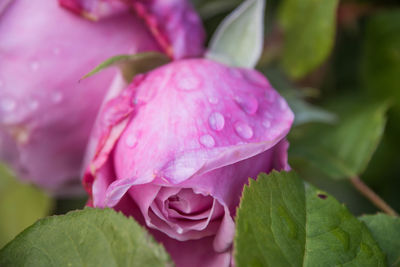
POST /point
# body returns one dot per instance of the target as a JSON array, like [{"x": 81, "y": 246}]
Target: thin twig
[{"x": 372, "y": 196}]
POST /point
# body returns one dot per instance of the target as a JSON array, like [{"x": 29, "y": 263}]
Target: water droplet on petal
[
  {"x": 188, "y": 83},
  {"x": 266, "y": 124},
  {"x": 35, "y": 65},
  {"x": 179, "y": 230},
  {"x": 56, "y": 97},
  {"x": 207, "y": 140},
  {"x": 131, "y": 141},
  {"x": 244, "y": 130},
  {"x": 216, "y": 121},
  {"x": 248, "y": 104},
  {"x": 8, "y": 104},
  {"x": 213, "y": 100}
]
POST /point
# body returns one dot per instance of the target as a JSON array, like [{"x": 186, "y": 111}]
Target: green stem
[{"x": 372, "y": 196}]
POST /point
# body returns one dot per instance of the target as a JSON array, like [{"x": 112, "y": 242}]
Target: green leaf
[
  {"x": 343, "y": 150},
  {"x": 20, "y": 206},
  {"x": 309, "y": 31},
  {"x": 238, "y": 41},
  {"x": 132, "y": 65},
  {"x": 382, "y": 55},
  {"x": 386, "y": 230},
  {"x": 295, "y": 224},
  {"x": 90, "y": 237},
  {"x": 211, "y": 8},
  {"x": 306, "y": 113}
]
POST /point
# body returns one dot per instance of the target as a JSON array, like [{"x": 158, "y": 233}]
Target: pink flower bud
[{"x": 176, "y": 147}]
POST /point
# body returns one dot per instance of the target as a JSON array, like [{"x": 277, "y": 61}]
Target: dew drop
[
  {"x": 8, "y": 104},
  {"x": 266, "y": 124},
  {"x": 207, "y": 140},
  {"x": 244, "y": 130},
  {"x": 188, "y": 83},
  {"x": 216, "y": 121},
  {"x": 56, "y": 97},
  {"x": 35, "y": 66},
  {"x": 131, "y": 141},
  {"x": 179, "y": 230},
  {"x": 248, "y": 104},
  {"x": 213, "y": 100}
]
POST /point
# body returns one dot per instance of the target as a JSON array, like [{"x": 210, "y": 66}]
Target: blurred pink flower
[
  {"x": 46, "y": 114},
  {"x": 176, "y": 147}
]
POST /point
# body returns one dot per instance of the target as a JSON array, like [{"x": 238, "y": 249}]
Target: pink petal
[
  {"x": 224, "y": 238},
  {"x": 95, "y": 9},
  {"x": 194, "y": 253},
  {"x": 183, "y": 29},
  {"x": 173, "y": 23},
  {"x": 43, "y": 106},
  {"x": 172, "y": 96},
  {"x": 4, "y": 4}
]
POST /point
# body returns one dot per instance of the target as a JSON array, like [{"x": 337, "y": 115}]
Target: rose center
[
  {"x": 186, "y": 202},
  {"x": 184, "y": 214}
]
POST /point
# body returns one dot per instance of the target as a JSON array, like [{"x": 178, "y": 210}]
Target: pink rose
[
  {"x": 176, "y": 147},
  {"x": 46, "y": 114}
]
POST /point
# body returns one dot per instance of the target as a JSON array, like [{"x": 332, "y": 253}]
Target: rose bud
[
  {"x": 46, "y": 112},
  {"x": 176, "y": 147}
]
